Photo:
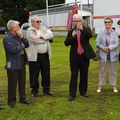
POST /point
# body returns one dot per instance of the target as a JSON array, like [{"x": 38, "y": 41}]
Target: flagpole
[
  {"x": 88, "y": 3},
  {"x": 47, "y": 13},
  {"x": 81, "y": 8}
]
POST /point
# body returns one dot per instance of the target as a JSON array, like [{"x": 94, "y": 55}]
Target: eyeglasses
[
  {"x": 77, "y": 21},
  {"x": 37, "y": 21},
  {"x": 107, "y": 22}
]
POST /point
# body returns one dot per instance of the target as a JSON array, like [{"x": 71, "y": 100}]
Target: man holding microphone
[{"x": 80, "y": 54}]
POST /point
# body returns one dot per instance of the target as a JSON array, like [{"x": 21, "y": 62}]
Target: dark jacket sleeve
[
  {"x": 87, "y": 32},
  {"x": 25, "y": 42},
  {"x": 10, "y": 46},
  {"x": 70, "y": 39}
]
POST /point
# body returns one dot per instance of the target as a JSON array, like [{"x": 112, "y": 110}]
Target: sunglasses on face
[
  {"x": 107, "y": 22},
  {"x": 37, "y": 21},
  {"x": 77, "y": 21}
]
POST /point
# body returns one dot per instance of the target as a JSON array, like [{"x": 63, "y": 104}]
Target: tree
[
  {"x": 14, "y": 9},
  {"x": 19, "y": 9},
  {"x": 53, "y": 2}
]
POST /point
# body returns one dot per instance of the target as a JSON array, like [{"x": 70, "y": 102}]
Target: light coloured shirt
[
  {"x": 41, "y": 48},
  {"x": 108, "y": 34}
]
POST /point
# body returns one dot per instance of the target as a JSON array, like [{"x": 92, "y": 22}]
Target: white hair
[
  {"x": 77, "y": 16},
  {"x": 34, "y": 17},
  {"x": 12, "y": 23}
]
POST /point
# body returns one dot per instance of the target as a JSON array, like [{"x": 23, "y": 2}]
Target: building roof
[{"x": 61, "y": 9}]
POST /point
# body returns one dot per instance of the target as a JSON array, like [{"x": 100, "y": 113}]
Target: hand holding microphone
[
  {"x": 79, "y": 26},
  {"x": 74, "y": 33}
]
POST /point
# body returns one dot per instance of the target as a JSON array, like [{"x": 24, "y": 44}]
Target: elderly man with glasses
[
  {"x": 39, "y": 54},
  {"x": 15, "y": 45},
  {"x": 80, "y": 54}
]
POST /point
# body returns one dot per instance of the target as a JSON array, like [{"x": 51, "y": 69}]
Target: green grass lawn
[{"x": 103, "y": 106}]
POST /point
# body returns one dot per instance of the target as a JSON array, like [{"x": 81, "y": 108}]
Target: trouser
[
  {"x": 15, "y": 76},
  {"x": 42, "y": 64},
  {"x": 112, "y": 73},
  {"x": 82, "y": 64}
]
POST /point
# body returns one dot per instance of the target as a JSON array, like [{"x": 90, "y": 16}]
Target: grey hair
[
  {"x": 34, "y": 17},
  {"x": 12, "y": 23},
  {"x": 77, "y": 16}
]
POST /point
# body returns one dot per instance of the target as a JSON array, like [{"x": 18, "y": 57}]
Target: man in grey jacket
[{"x": 39, "y": 53}]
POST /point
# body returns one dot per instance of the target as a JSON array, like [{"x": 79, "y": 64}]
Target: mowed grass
[{"x": 103, "y": 106}]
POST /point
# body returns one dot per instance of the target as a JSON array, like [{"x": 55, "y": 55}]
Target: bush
[{"x": 2, "y": 22}]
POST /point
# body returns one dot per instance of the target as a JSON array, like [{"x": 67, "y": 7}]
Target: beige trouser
[{"x": 112, "y": 73}]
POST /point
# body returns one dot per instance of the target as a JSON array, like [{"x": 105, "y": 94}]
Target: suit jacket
[
  {"x": 113, "y": 46},
  {"x": 86, "y": 34},
  {"x": 12, "y": 50}
]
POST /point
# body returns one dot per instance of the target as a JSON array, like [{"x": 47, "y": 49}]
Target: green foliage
[
  {"x": 19, "y": 9},
  {"x": 14, "y": 9},
  {"x": 2, "y": 22},
  {"x": 36, "y": 5},
  {"x": 53, "y": 2}
]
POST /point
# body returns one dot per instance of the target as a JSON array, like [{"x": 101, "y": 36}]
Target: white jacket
[{"x": 32, "y": 50}]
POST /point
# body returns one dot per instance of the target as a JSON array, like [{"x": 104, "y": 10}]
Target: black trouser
[
  {"x": 42, "y": 64},
  {"x": 82, "y": 64},
  {"x": 15, "y": 76}
]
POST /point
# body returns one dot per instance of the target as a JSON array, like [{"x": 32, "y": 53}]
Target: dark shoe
[
  {"x": 11, "y": 105},
  {"x": 34, "y": 95},
  {"x": 25, "y": 102},
  {"x": 48, "y": 94},
  {"x": 84, "y": 95},
  {"x": 71, "y": 98}
]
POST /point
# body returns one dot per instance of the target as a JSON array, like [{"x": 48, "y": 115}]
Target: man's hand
[
  {"x": 74, "y": 33},
  {"x": 79, "y": 26},
  {"x": 20, "y": 34},
  {"x": 35, "y": 37},
  {"x": 106, "y": 49}
]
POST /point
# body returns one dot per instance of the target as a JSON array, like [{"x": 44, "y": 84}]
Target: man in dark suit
[
  {"x": 80, "y": 54},
  {"x": 14, "y": 46}
]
